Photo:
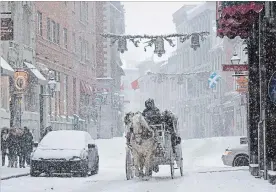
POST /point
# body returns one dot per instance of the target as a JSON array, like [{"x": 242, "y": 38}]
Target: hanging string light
[
  {"x": 156, "y": 40},
  {"x": 195, "y": 41},
  {"x": 122, "y": 44},
  {"x": 159, "y": 46}
]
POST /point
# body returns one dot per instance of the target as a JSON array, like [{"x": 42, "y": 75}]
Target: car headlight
[
  {"x": 83, "y": 155},
  {"x": 227, "y": 152},
  {"x": 75, "y": 158}
]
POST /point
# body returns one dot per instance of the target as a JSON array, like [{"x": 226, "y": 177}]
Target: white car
[
  {"x": 237, "y": 156},
  {"x": 65, "y": 151}
]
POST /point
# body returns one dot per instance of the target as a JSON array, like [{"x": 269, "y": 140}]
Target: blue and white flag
[{"x": 213, "y": 80}]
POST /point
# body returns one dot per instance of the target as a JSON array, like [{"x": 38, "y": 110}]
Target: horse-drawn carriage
[{"x": 168, "y": 150}]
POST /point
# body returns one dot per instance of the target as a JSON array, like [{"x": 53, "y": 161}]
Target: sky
[{"x": 152, "y": 18}]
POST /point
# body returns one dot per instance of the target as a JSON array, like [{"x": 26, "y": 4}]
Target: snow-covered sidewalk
[{"x": 8, "y": 172}]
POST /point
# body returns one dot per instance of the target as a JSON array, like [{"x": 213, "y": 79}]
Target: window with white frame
[
  {"x": 57, "y": 33},
  {"x": 53, "y": 29},
  {"x": 74, "y": 42},
  {"x": 26, "y": 27},
  {"x": 65, "y": 96},
  {"x": 65, "y": 38},
  {"x": 49, "y": 34},
  {"x": 39, "y": 23}
]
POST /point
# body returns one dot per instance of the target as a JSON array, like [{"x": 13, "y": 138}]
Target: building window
[
  {"x": 26, "y": 27},
  {"x": 57, "y": 94},
  {"x": 65, "y": 96},
  {"x": 86, "y": 48},
  {"x": 75, "y": 95},
  {"x": 65, "y": 38},
  {"x": 57, "y": 33},
  {"x": 74, "y": 43},
  {"x": 39, "y": 23},
  {"x": 83, "y": 11},
  {"x": 74, "y": 6},
  {"x": 49, "y": 29},
  {"x": 4, "y": 88},
  {"x": 30, "y": 98},
  {"x": 54, "y": 31}
]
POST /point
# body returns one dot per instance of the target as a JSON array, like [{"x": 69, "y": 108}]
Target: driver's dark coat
[{"x": 152, "y": 115}]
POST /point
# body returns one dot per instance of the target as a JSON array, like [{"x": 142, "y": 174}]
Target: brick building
[
  {"x": 66, "y": 44},
  {"x": 109, "y": 19}
]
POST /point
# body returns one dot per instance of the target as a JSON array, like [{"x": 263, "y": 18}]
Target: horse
[{"x": 143, "y": 145}]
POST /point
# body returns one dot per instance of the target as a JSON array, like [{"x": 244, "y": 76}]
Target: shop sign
[
  {"x": 6, "y": 29},
  {"x": 20, "y": 80},
  {"x": 242, "y": 84}
]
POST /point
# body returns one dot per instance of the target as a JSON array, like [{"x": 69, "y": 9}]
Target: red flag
[
  {"x": 135, "y": 84},
  {"x": 122, "y": 87}
]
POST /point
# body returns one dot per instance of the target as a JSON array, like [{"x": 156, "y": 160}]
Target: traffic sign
[{"x": 234, "y": 67}]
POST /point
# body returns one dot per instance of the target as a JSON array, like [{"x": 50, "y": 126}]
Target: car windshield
[{"x": 63, "y": 140}]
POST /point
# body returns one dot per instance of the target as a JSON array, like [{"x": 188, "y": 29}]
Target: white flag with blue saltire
[{"x": 213, "y": 79}]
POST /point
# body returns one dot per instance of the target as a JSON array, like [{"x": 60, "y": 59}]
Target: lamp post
[
  {"x": 52, "y": 87},
  {"x": 235, "y": 60}
]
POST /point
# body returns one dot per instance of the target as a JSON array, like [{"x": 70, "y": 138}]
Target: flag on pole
[
  {"x": 135, "y": 84},
  {"x": 213, "y": 80}
]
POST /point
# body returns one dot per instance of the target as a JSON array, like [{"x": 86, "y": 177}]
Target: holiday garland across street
[{"x": 156, "y": 40}]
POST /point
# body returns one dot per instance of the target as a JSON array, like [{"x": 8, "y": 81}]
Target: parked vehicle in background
[
  {"x": 65, "y": 151},
  {"x": 237, "y": 156}
]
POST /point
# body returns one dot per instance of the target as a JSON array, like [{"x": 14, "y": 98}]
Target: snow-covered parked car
[
  {"x": 65, "y": 151},
  {"x": 237, "y": 156}
]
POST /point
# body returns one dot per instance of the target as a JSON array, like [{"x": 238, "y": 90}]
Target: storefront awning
[
  {"x": 6, "y": 69},
  {"x": 41, "y": 79},
  {"x": 237, "y": 18}
]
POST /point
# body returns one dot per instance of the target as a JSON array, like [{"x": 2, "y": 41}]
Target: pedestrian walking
[
  {"x": 4, "y": 144},
  {"x": 26, "y": 145}
]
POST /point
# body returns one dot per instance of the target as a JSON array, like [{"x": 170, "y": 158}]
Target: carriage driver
[
  {"x": 151, "y": 113},
  {"x": 153, "y": 116}
]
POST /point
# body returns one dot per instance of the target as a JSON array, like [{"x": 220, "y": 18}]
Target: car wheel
[
  {"x": 84, "y": 172},
  {"x": 34, "y": 173},
  {"x": 96, "y": 171},
  {"x": 241, "y": 160}
]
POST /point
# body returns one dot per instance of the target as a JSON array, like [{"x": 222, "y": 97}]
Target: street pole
[
  {"x": 100, "y": 119},
  {"x": 18, "y": 112}
]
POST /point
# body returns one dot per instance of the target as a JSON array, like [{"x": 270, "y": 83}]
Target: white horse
[{"x": 143, "y": 145}]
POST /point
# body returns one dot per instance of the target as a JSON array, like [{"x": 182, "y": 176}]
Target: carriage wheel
[
  {"x": 172, "y": 170},
  {"x": 129, "y": 165},
  {"x": 181, "y": 167}
]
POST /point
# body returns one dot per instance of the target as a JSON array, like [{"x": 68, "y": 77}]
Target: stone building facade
[
  {"x": 66, "y": 44},
  {"x": 21, "y": 109},
  {"x": 110, "y": 18}
]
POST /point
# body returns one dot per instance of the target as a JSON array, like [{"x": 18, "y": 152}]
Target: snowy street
[{"x": 203, "y": 171}]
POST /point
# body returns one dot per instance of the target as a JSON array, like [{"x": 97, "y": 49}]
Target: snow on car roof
[{"x": 64, "y": 139}]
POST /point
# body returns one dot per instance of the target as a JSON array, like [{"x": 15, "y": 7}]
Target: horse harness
[{"x": 144, "y": 135}]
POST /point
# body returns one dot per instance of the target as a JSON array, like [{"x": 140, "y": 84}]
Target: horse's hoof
[
  {"x": 146, "y": 178},
  {"x": 137, "y": 174}
]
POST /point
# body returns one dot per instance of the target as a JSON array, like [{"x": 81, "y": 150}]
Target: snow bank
[{"x": 206, "y": 152}]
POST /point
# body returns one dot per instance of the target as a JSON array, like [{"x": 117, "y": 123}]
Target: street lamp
[
  {"x": 52, "y": 84},
  {"x": 235, "y": 60}
]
